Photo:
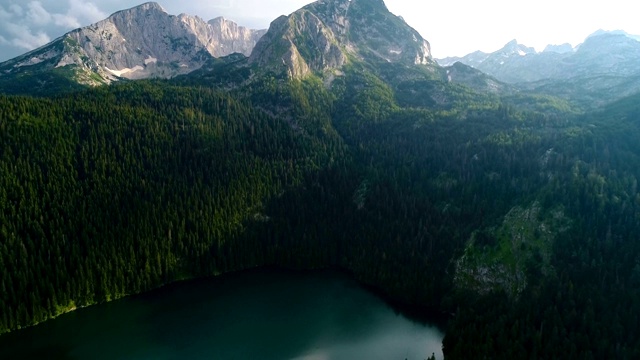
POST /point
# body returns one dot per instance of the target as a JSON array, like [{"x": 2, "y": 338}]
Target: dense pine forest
[{"x": 516, "y": 217}]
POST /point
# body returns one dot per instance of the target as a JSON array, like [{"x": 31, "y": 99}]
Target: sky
[{"x": 453, "y": 27}]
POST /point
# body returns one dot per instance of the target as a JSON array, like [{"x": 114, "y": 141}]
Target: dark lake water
[{"x": 260, "y": 315}]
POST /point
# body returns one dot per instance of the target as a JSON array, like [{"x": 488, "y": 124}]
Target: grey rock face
[
  {"x": 323, "y": 35},
  {"x": 300, "y": 43},
  {"x": 378, "y": 31},
  {"x": 227, "y": 37},
  {"x": 141, "y": 42}
]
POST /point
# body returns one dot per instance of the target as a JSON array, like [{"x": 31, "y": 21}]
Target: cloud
[
  {"x": 16, "y": 9},
  {"x": 37, "y": 15},
  {"x": 4, "y": 14},
  {"x": 66, "y": 21},
  {"x": 24, "y": 38},
  {"x": 25, "y": 25},
  {"x": 84, "y": 10}
]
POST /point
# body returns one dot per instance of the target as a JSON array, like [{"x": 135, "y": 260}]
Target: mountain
[
  {"x": 513, "y": 63},
  {"x": 474, "y": 59},
  {"x": 560, "y": 49},
  {"x": 603, "y": 69},
  {"x": 326, "y": 34},
  {"x": 512, "y": 50},
  {"x": 602, "y": 53},
  {"x": 138, "y": 43},
  {"x": 337, "y": 144},
  {"x": 146, "y": 42},
  {"x": 606, "y": 53},
  {"x": 614, "y": 32},
  {"x": 460, "y": 73}
]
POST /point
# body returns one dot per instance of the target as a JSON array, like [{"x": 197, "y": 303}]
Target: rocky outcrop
[
  {"x": 324, "y": 35},
  {"x": 141, "y": 42},
  {"x": 496, "y": 259},
  {"x": 375, "y": 30},
  {"x": 227, "y": 37},
  {"x": 300, "y": 43}
]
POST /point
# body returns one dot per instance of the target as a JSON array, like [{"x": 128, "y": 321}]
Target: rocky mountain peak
[
  {"x": 513, "y": 44},
  {"x": 140, "y": 42},
  {"x": 220, "y": 20},
  {"x": 378, "y": 4},
  {"x": 323, "y": 34},
  {"x": 148, "y": 7},
  {"x": 385, "y": 35},
  {"x": 152, "y": 5},
  {"x": 514, "y": 48}
]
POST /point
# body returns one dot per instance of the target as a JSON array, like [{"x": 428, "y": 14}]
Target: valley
[{"x": 511, "y": 208}]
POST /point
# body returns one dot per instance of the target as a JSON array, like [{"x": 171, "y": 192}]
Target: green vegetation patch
[{"x": 501, "y": 259}]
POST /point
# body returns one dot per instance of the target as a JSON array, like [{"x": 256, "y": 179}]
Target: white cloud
[
  {"x": 4, "y": 14},
  {"x": 26, "y": 25},
  {"x": 84, "y": 10},
  {"x": 24, "y": 38},
  {"x": 66, "y": 21},
  {"x": 37, "y": 15},
  {"x": 485, "y": 25},
  {"x": 16, "y": 9}
]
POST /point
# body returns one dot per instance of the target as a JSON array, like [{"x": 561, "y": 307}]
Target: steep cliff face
[
  {"x": 325, "y": 34},
  {"x": 141, "y": 42},
  {"x": 300, "y": 43},
  {"x": 227, "y": 37},
  {"x": 377, "y": 31}
]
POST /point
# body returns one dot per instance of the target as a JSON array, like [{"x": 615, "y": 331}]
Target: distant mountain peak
[
  {"x": 513, "y": 48},
  {"x": 560, "y": 49},
  {"x": 609, "y": 53},
  {"x": 602, "y": 32}
]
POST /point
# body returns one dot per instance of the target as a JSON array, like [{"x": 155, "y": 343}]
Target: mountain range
[
  {"x": 603, "y": 52},
  {"x": 145, "y": 42},
  {"x": 500, "y": 195},
  {"x": 604, "y": 68},
  {"x": 138, "y": 43}
]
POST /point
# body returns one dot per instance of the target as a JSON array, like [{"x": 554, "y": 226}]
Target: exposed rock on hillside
[
  {"x": 141, "y": 42},
  {"x": 325, "y": 34}
]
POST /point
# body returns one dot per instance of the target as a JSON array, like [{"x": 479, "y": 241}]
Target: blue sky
[{"x": 453, "y": 27}]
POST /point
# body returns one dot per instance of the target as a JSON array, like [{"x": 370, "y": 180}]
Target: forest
[{"x": 117, "y": 190}]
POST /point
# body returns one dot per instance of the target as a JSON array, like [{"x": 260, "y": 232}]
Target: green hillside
[{"x": 517, "y": 221}]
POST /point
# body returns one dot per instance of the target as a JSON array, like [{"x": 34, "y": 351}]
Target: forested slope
[
  {"x": 121, "y": 189},
  {"x": 118, "y": 190}
]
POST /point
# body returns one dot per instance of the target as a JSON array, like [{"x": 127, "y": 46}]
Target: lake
[{"x": 263, "y": 314}]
